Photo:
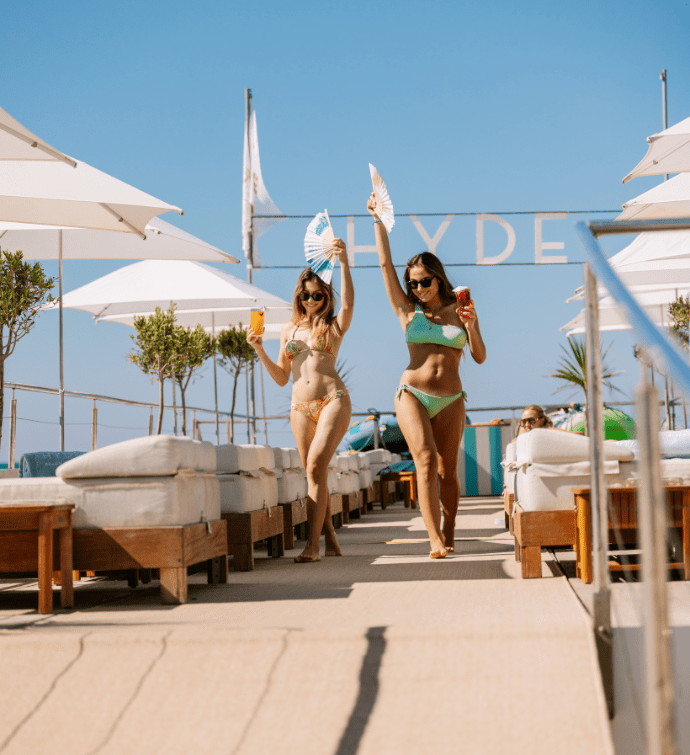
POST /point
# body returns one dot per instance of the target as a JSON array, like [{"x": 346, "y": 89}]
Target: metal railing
[{"x": 651, "y": 501}]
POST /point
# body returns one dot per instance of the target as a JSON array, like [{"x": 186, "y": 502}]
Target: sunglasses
[
  {"x": 424, "y": 282},
  {"x": 305, "y": 296},
  {"x": 528, "y": 421}
]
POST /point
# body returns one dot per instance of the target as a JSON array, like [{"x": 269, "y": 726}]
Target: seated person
[{"x": 534, "y": 416}]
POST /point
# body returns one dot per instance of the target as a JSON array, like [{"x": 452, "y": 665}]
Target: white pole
[
  {"x": 215, "y": 377},
  {"x": 652, "y": 512},
  {"x": 62, "y": 373},
  {"x": 664, "y": 104},
  {"x": 263, "y": 403},
  {"x": 598, "y": 493}
]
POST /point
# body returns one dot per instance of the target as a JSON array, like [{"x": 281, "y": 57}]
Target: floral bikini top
[{"x": 323, "y": 343}]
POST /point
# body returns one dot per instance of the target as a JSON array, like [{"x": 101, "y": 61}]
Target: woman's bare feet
[
  {"x": 449, "y": 537},
  {"x": 306, "y": 558},
  {"x": 438, "y": 550},
  {"x": 332, "y": 547}
]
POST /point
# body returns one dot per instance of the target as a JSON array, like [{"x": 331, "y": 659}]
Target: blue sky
[{"x": 492, "y": 107}]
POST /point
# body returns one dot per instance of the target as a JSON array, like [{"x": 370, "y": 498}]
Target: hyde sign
[{"x": 540, "y": 246}]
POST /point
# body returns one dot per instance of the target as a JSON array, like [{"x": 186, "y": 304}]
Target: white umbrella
[
  {"x": 163, "y": 241},
  {"x": 654, "y": 303},
  {"x": 669, "y": 152},
  {"x": 39, "y": 185},
  {"x": 653, "y": 261},
  {"x": 202, "y": 295},
  {"x": 670, "y": 199},
  {"x": 139, "y": 288},
  {"x": 62, "y": 191}
]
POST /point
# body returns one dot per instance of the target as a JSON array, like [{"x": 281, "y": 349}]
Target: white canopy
[
  {"x": 653, "y": 261},
  {"x": 202, "y": 295},
  {"x": 670, "y": 199},
  {"x": 163, "y": 241},
  {"x": 654, "y": 303},
  {"x": 38, "y": 186},
  {"x": 669, "y": 152},
  {"x": 18, "y": 143}
]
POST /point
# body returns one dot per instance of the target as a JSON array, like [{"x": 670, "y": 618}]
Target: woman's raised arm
[
  {"x": 397, "y": 296},
  {"x": 347, "y": 293}
]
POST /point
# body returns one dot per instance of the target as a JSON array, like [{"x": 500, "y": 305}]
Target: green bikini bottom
[{"x": 432, "y": 404}]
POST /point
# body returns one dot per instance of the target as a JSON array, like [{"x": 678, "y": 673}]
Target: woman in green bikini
[
  {"x": 430, "y": 402},
  {"x": 321, "y": 407}
]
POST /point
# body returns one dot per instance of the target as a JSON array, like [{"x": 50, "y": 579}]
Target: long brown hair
[
  {"x": 434, "y": 265},
  {"x": 325, "y": 318}
]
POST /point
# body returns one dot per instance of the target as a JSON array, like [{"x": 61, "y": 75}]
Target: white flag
[{"x": 255, "y": 199}]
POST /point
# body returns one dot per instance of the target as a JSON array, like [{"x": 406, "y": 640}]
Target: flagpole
[{"x": 250, "y": 259}]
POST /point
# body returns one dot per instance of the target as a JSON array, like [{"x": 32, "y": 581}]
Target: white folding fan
[
  {"x": 384, "y": 206},
  {"x": 318, "y": 246}
]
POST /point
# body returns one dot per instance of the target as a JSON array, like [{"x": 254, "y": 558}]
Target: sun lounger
[
  {"x": 249, "y": 501},
  {"x": 147, "y": 503},
  {"x": 549, "y": 464}
]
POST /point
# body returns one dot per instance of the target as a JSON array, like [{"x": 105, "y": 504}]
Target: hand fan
[
  {"x": 318, "y": 246},
  {"x": 384, "y": 206}
]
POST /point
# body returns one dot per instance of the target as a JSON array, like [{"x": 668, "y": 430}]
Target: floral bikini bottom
[{"x": 312, "y": 409}]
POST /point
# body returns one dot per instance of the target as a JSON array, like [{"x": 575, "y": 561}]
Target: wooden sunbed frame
[
  {"x": 246, "y": 528},
  {"x": 534, "y": 530},
  {"x": 170, "y": 549}
]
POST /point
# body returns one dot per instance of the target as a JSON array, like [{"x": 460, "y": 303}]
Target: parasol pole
[
  {"x": 215, "y": 376},
  {"x": 664, "y": 104},
  {"x": 62, "y": 370},
  {"x": 250, "y": 268}
]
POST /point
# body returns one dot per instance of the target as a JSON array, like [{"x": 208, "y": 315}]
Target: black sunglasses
[
  {"x": 305, "y": 296},
  {"x": 529, "y": 421},
  {"x": 424, "y": 283}
]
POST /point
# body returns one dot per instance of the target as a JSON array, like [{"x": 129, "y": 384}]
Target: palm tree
[{"x": 573, "y": 368}]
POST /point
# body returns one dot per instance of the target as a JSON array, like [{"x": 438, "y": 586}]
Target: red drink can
[{"x": 463, "y": 296}]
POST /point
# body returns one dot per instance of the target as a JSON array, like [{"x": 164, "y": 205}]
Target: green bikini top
[{"x": 423, "y": 330}]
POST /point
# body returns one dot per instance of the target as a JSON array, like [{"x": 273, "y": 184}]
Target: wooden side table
[
  {"x": 409, "y": 480},
  {"x": 22, "y": 523},
  {"x": 623, "y": 519}
]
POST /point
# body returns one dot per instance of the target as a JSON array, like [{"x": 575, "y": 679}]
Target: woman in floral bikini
[{"x": 321, "y": 407}]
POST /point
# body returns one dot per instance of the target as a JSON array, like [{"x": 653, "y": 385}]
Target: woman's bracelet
[{"x": 378, "y": 221}]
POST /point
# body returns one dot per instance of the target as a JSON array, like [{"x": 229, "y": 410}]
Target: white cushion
[
  {"x": 378, "y": 456},
  {"x": 673, "y": 444},
  {"x": 185, "y": 498},
  {"x": 351, "y": 481},
  {"x": 673, "y": 471},
  {"x": 153, "y": 455},
  {"x": 291, "y": 486},
  {"x": 281, "y": 458},
  {"x": 363, "y": 461},
  {"x": 395, "y": 457},
  {"x": 247, "y": 492},
  {"x": 332, "y": 480},
  {"x": 540, "y": 492},
  {"x": 366, "y": 479},
  {"x": 295, "y": 461},
  {"x": 552, "y": 446},
  {"x": 377, "y": 467},
  {"x": 246, "y": 457}
]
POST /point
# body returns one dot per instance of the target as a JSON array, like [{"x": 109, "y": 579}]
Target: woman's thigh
[
  {"x": 303, "y": 429},
  {"x": 333, "y": 423},
  {"x": 447, "y": 427},
  {"x": 415, "y": 424}
]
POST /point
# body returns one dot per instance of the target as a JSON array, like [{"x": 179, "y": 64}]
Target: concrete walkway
[{"x": 380, "y": 651}]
